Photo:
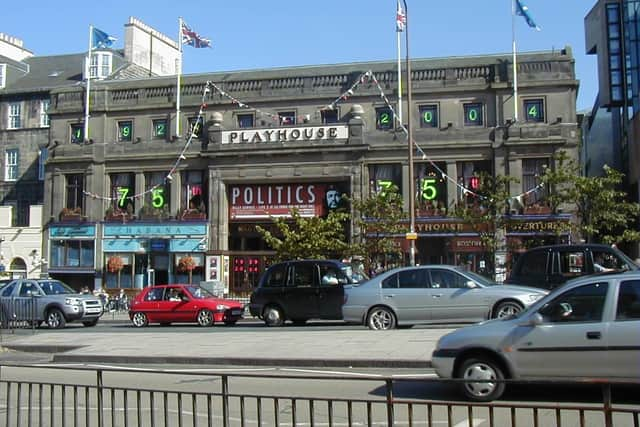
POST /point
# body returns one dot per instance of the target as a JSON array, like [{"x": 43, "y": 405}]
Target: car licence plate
[{"x": 236, "y": 312}]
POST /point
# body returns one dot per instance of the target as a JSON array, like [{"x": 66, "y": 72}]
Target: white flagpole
[
  {"x": 179, "y": 78},
  {"x": 88, "y": 72},
  {"x": 515, "y": 64},
  {"x": 399, "y": 73}
]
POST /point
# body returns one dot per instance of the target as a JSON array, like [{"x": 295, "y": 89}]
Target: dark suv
[
  {"x": 301, "y": 290},
  {"x": 550, "y": 266}
]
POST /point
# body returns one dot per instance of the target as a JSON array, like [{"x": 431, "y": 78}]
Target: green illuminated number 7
[
  {"x": 428, "y": 189},
  {"x": 384, "y": 185},
  {"x": 122, "y": 196},
  {"x": 157, "y": 197}
]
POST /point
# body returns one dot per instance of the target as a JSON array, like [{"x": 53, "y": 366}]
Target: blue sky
[{"x": 253, "y": 34}]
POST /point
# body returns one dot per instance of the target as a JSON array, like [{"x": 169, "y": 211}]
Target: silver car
[
  {"x": 432, "y": 293},
  {"x": 587, "y": 328}
]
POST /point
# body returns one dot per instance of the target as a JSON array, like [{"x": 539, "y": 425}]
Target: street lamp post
[{"x": 412, "y": 201}]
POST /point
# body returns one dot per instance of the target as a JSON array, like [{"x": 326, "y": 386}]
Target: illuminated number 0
[
  {"x": 473, "y": 114},
  {"x": 122, "y": 196},
  {"x": 428, "y": 116},
  {"x": 157, "y": 197},
  {"x": 428, "y": 189}
]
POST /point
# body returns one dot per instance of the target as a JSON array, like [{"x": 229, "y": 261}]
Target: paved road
[{"x": 299, "y": 346}]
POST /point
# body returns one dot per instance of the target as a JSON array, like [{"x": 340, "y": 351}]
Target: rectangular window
[
  {"x": 473, "y": 114},
  {"x": 469, "y": 178},
  {"x": 534, "y": 110},
  {"x": 245, "y": 120},
  {"x": 122, "y": 191},
  {"x": 44, "y": 113},
  {"x": 329, "y": 116},
  {"x": 157, "y": 194},
  {"x": 72, "y": 253},
  {"x": 125, "y": 130},
  {"x": 75, "y": 192},
  {"x": 100, "y": 67},
  {"x": 195, "y": 127},
  {"x": 384, "y": 118},
  {"x": 193, "y": 192},
  {"x": 11, "y": 165},
  {"x": 160, "y": 129},
  {"x": 43, "y": 155},
  {"x": 532, "y": 170},
  {"x": 428, "y": 116},
  {"x": 614, "y": 39},
  {"x": 431, "y": 186},
  {"x": 15, "y": 110},
  {"x": 287, "y": 117},
  {"x": 383, "y": 177},
  {"x": 3, "y": 74},
  {"x": 77, "y": 133}
]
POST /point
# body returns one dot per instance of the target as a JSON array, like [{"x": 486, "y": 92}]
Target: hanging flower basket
[
  {"x": 114, "y": 264},
  {"x": 186, "y": 264}
]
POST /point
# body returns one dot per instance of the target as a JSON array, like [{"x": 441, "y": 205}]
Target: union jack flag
[
  {"x": 401, "y": 19},
  {"x": 192, "y": 38}
]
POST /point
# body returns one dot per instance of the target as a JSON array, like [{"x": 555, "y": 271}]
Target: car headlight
[
  {"x": 72, "y": 301},
  {"x": 531, "y": 298},
  {"x": 222, "y": 307}
]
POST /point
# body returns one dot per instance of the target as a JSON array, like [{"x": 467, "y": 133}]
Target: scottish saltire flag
[
  {"x": 192, "y": 38},
  {"x": 100, "y": 39},
  {"x": 523, "y": 10},
  {"x": 401, "y": 19}
]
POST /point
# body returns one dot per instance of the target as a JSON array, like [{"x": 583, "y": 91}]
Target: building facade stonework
[{"x": 255, "y": 144}]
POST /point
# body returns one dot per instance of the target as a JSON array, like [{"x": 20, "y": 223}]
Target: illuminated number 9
[
  {"x": 157, "y": 197},
  {"x": 384, "y": 118},
  {"x": 473, "y": 114},
  {"x": 533, "y": 111},
  {"x": 428, "y": 116},
  {"x": 428, "y": 189},
  {"x": 122, "y": 196},
  {"x": 125, "y": 131}
]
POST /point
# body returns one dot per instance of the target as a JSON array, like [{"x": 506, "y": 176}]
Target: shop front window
[{"x": 72, "y": 253}]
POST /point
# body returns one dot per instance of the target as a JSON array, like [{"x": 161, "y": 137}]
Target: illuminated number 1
[
  {"x": 473, "y": 114},
  {"x": 533, "y": 111},
  {"x": 122, "y": 196},
  {"x": 157, "y": 199},
  {"x": 429, "y": 190},
  {"x": 78, "y": 134}
]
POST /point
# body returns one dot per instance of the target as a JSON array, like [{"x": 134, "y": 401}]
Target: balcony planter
[
  {"x": 71, "y": 214},
  {"x": 117, "y": 215},
  {"x": 193, "y": 214},
  {"x": 537, "y": 210}
]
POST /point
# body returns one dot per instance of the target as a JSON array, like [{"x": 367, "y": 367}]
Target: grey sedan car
[
  {"x": 432, "y": 293},
  {"x": 587, "y": 328}
]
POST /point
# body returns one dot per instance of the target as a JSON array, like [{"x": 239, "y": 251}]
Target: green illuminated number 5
[
  {"x": 428, "y": 189},
  {"x": 157, "y": 197},
  {"x": 122, "y": 196}
]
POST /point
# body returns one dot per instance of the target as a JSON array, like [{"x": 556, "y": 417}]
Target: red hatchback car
[{"x": 166, "y": 304}]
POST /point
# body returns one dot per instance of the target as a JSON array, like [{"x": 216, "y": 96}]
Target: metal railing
[
  {"x": 18, "y": 313},
  {"x": 97, "y": 397}
]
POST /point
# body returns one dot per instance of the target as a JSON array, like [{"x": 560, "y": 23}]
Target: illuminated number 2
[
  {"x": 385, "y": 118},
  {"x": 157, "y": 197},
  {"x": 122, "y": 196},
  {"x": 428, "y": 189},
  {"x": 160, "y": 129}
]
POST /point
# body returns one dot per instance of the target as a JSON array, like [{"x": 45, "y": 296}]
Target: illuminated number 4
[{"x": 533, "y": 111}]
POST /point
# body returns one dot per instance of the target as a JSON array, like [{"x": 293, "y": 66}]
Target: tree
[
  {"x": 309, "y": 238},
  {"x": 484, "y": 211},
  {"x": 115, "y": 265},
  {"x": 378, "y": 219},
  {"x": 602, "y": 210},
  {"x": 187, "y": 264}
]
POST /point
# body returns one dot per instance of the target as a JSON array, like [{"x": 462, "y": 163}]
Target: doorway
[{"x": 160, "y": 266}]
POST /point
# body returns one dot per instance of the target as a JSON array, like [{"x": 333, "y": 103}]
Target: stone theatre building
[{"x": 149, "y": 188}]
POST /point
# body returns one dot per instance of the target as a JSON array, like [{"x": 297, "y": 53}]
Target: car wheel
[
  {"x": 90, "y": 323},
  {"x": 139, "y": 319},
  {"x": 273, "y": 316},
  {"x": 205, "y": 318},
  {"x": 55, "y": 319},
  {"x": 506, "y": 309},
  {"x": 482, "y": 369},
  {"x": 381, "y": 319}
]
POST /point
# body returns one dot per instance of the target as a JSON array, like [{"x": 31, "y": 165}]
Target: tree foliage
[
  {"x": 309, "y": 237},
  {"x": 378, "y": 219},
  {"x": 603, "y": 211}
]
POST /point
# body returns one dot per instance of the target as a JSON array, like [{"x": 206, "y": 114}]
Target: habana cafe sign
[
  {"x": 261, "y": 201},
  {"x": 288, "y": 134}
]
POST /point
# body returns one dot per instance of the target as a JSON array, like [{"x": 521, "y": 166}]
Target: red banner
[{"x": 266, "y": 200}]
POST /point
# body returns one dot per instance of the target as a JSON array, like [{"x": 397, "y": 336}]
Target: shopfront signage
[
  {"x": 72, "y": 231},
  {"x": 159, "y": 230},
  {"x": 288, "y": 134},
  {"x": 266, "y": 200},
  {"x": 466, "y": 244}
]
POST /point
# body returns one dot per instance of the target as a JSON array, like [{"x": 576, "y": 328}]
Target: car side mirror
[
  {"x": 470, "y": 284},
  {"x": 534, "y": 320}
]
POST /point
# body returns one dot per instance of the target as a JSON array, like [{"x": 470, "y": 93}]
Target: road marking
[
  {"x": 314, "y": 371},
  {"x": 434, "y": 375}
]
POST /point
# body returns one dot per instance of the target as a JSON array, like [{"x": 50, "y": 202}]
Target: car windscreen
[
  {"x": 199, "y": 293},
  {"x": 55, "y": 287}
]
